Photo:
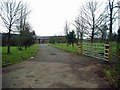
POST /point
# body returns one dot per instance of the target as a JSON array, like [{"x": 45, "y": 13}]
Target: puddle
[{"x": 52, "y": 54}]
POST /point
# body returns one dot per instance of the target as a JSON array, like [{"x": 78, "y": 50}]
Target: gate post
[
  {"x": 108, "y": 52},
  {"x": 80, "y": 49}
]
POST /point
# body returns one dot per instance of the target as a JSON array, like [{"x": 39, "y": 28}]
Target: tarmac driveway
[{"x": 54, "y": 68}]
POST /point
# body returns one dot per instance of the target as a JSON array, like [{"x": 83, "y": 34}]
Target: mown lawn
[{"x": 17, "y": 55}]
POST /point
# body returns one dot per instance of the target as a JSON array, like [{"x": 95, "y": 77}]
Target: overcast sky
[{"x": 48, "y": 17}]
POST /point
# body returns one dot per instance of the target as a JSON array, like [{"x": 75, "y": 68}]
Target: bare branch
[{"x": 10, "y": 14}]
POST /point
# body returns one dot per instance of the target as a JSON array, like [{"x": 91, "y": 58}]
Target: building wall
[{"x": 44, "y": 41}]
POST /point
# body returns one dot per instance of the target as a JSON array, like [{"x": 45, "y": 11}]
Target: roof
[
  {"x": 43, "y": 37},
  {"x": 47, "y": 37}
]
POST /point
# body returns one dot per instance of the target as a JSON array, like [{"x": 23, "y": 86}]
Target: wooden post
[
  {"x": 80, "y": 49},
  {"x": 106, "y": 52}
]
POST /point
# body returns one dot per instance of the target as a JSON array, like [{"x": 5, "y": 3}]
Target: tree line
[
  {"x": 14, "y": 16},
  {"x": 95, "y": 19}
]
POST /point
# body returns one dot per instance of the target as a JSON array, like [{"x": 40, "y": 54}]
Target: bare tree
[
  {"x": 10, "y": 15},
  {"x": 81, "y": 28},
  {"x": 26, "y": 36},
  {"x": 103, "y": 31},
  {"x": 24, "y": 15},
  {"x": 77, "y": 26},
  {"x": 66, "y": 28},
  {"x": 112, "y": 15},
  {"x": 92, "y": 18},
  {"x": 22, "y": 25}
]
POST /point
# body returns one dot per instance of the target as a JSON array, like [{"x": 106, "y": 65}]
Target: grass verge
[
  {"x": 64, "y": 47},
  {"x": 111, "y": 75},
  {"x": 17, "y": 55}
]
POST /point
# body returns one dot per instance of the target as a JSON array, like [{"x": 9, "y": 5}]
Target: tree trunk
[
  {"x": 111, "y": 21},
  {"x": 81, "y": 38},
  {"x": 93, "y": 29},
  {"x": 102, "y": 38},
  {"x": 8, "y": 49},
  {"x": 25, "y": 46},
  {"x": 110, "y": 33},
  {"x": 92, "y": 37}
]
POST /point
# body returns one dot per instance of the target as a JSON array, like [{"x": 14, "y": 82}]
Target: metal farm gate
[{"x": 95, "y": 50}]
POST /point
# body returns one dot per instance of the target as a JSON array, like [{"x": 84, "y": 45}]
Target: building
[
  {"x": 51, "y": 39},
  {"x": 43, "y": 39}
]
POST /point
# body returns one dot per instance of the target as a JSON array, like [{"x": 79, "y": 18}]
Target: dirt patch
[
  {"x": 60, "y": 85},
  {"x": 11, "y": 69}
]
